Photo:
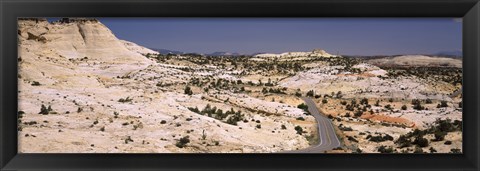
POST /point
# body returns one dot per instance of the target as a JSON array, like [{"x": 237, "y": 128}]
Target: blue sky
[{"x": 347, "y": 36}]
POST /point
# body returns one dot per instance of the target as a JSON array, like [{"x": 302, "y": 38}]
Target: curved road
[
  {"x": 327, "y": 138},
  {"x": 456, "y": 93}
]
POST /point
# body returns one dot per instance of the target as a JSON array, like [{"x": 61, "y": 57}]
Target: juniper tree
[
  {"x": 43, "y": 110},
  {"x": 310, "y": 93},
  {"x": 188, "y": 90}
]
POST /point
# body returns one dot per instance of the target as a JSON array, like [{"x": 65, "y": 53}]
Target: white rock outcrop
[
  {"x": 137, "y": 48},
  {"x": 314, "y": 53}
]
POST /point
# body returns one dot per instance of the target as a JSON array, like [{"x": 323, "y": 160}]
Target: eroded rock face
[{"x": 75, "y": 39}]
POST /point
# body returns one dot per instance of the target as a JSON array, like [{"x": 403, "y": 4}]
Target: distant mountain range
[
  {"x": 452, "y": 54},
  {"x": 224, "y": 54},
  {"x": 456, "y": 53},
  {"x": 166, "y": 51}
]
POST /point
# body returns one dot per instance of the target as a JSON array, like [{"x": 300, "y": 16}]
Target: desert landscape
[{"x": 83, "y": 90}]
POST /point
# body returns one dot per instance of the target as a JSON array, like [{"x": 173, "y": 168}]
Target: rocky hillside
[
  {"x": 74, "y": 40},
  {"x": 82, "y": 90},
  {"x": 136, "y": 48},
  {"x": 418, "y": 60}
]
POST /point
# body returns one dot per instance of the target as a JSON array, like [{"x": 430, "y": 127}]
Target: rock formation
[{"x": 314, "y": 53}]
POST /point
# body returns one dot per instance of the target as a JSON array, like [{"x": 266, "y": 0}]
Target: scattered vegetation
[
  {"x": 384, "y": 149},
  {"x": 380, "y": 138},
  {"x": 231, "y": 116},
  {"x": 36, "y": 83},
  {"x": 188, "y": 90},
  {"x": 44, "y": 110},
  {"x": 183, "y": 142},
  {"x": 439, "y": 130},
  {"x": 122, "y": 100},
  {"x": 299, "y": 130}
]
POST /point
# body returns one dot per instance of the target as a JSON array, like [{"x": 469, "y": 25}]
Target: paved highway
[
  {"x": 456, "y": 93},
  {"x": 327, "y": 138}
]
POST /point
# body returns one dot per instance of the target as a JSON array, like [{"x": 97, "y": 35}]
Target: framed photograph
[{"x": 233, "y": 85}]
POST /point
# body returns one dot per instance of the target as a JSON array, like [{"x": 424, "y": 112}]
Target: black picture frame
[{"x": 469, "y": 10}]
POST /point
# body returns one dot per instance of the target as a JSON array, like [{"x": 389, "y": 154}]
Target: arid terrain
[{"x": 82, "y": 90}]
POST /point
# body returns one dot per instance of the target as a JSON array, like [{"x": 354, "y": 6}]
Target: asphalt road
[
  {"x": 327, "y": 138},
  {"x": 456, "y": 93}
]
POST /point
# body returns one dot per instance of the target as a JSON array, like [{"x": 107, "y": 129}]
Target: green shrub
[
  {"x": 310, "y": 93},
  {"x": 380, "y": 138},
  {"x": 324, "y": 101},
  {"x": 445, "y": 125},
  {"x": 188, "y": 90},
  {"x": 43, "y": 110},
  {"x": 455, "y": 150},
  {"x": 388, "y": 106},
  {"x": 418, "y": 106},
  {"x": 298, "y": 94},
  {"x": 339, "y": 94},
  {"x": 428, "y": 101},
  {"x": 358, "y": 150},
  {"x": 443, "y": 103},
  {"x": 303, "y": 106},
  {"x": 35, "y": 83},
  {"x": 358, "y": 113},
  {"x": 383, "y": 149},
  {"x": 237, "y": 117},
  {"x": 122, "y": 100},
  {"x": 350, "y": 107},
  {"x": 345, "y": 128},
  {"x": 195, "y": 109},
  {"x": 183, "y": 142},
  {"x": 364, "y": 101},
  {"x": 128, "y": 139},
  {"x": 418, "y": 150},
  {"x": 421, "y": 142},
  {"x": 347, "y": 114},
  {"x": 432, "y": 150},
  {"x": 350, "y": 138},
  {"x": 403, "y": 141},
  {"x": 299, "y": 130},
  {"x": 440, "y": 136}
]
